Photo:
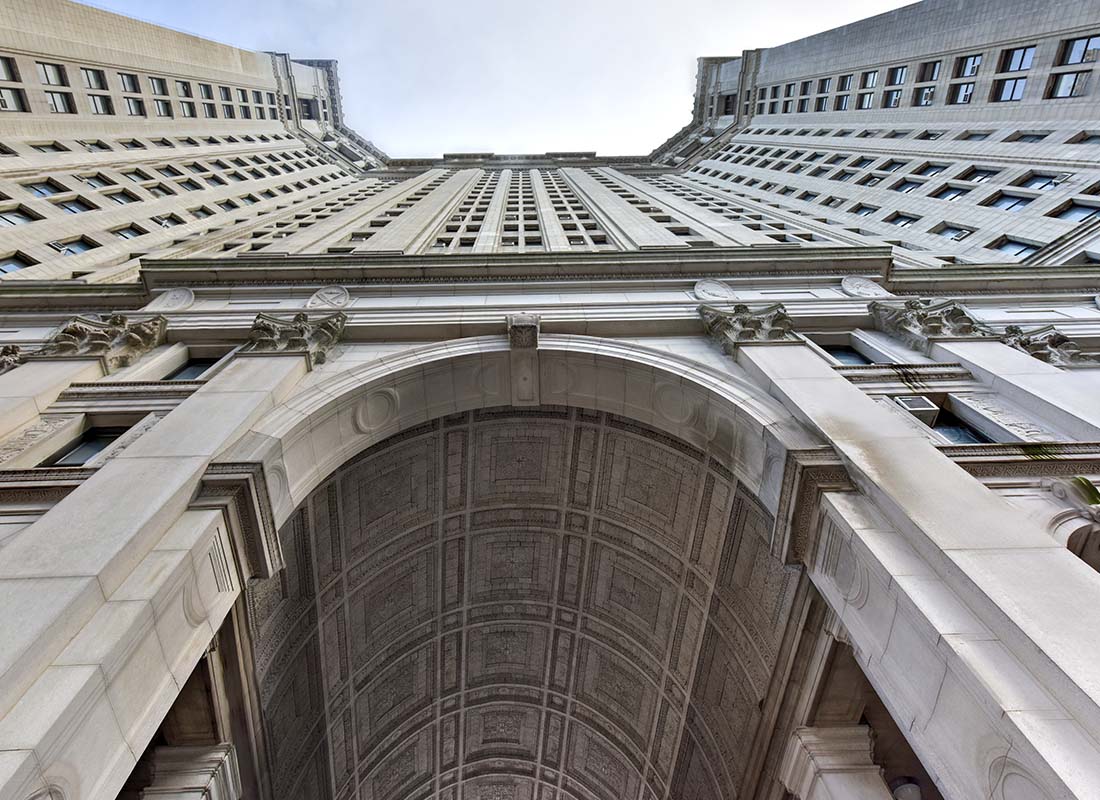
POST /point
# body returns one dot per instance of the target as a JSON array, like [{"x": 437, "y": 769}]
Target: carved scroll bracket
[
  {"x": 740, "y": 325},
  {"x": 299, "y": 335},
  {"x": 1050, "y": 345},
  {"x": 114, "y": 339},
  {"x": 921, "y": 323}
]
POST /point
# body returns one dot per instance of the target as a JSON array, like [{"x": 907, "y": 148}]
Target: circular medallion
[
  {"x": 854, "y": 286},
  {"x": 329, "y": 297},
  {"x": 710, "y": 291}
]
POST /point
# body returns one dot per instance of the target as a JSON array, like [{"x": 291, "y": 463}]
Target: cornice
[{"x": 979, "y": 279}]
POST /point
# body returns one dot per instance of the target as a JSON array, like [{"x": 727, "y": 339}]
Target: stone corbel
[
  {"x": 114, "y": 340},
  {"x": 921, "y": 323},
  {"x": 523, "y": 343},
  {"x": 239, "y": 491},
  {"x": 1050, "y": 345},
  {"x": 297, "y": 336},
  {"x": 740, "y": 325}
]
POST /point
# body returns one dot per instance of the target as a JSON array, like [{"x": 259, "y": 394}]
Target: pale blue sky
[{"x": 423, "y": 77}]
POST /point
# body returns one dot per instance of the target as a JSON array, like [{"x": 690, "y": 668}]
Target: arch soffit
[{"x": 308, "y": 437}]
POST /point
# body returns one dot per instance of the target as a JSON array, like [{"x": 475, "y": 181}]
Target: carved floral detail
[
  {"x": 314, "y": 338},
  {"x": 741, "y": 325},
  {"x": 1048, "y": 344},
  {"x": 919, "y": 321},
  {"x": 113, "y": 338}
]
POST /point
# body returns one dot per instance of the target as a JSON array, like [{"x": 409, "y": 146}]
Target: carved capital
[
  {"x": 10, "y": 357},
  {"x": 814, "y": 754},
  {"x": 194, "y": 773},
  {"x": 312, "y": 338},
  {"x": 741, "y": 325},
  {"x": 523, "y": 331},
  {"x": 1077, "y": 492},
  {"x": 113, "y": 338},
  {"x": 1050, "y": 345},
  {"x": 921, "y": 322}
]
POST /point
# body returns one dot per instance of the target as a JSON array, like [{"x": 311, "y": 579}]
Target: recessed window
[
  {"x": 135, "y": 107},
  {"x": 74, "y": 247},
  {"x": 959, "y": 94},
  {"x": 951, "y": 193},
  {"x": 954, "y": 232},
  {"x": 192, "y": 370},
  {"x": 90, "y": 444},
  {"x": 187, "y": 109},
  {"x": 955, "y": 431},
  {"x": 929, "y": 71},
  {"x": 968, "y": 66},
  {"x": 158, "y": 85},
  {"x": 1009, "y": 202},
  {"x": 17, "y": 216},
  {"x": 865, "y": 101},
  {"x": 891, "y": 98},
  {"x": 924, "y": 95},
  {"x": 8, "y": 70},
  {"x": 14, "y": 262},
  {"x": 848, "y": 356},
  {"x": 60, "y": 103},
  {"x": 1029, "y": 137},
  {"x": 75, "y": 206},
  {"x": 975, "y": 136},
  {"x": 824, "y": 85},
  {"x": 928, "y": 170},
  {"x": 895, "y": 76},
  {"x": 843, "y": 84},
  {"x": 163, "y": 108},
  {"x": 864, "y": 210},
  {"x": 1014, "y": 247},
  {"x": 129, "y": 232},
  {"x": 906, "y": 186},
  {"x": 1017, "y": 59},
  {"x": 44, "y": 188},
  {"x": 901, "y": 220},
  {"x": 979, "y": 174},
  {"x": 869, "y": 79},
  {"x": 52, "y": 74},
  {"x": 12, "y": 100},
  {"x": 1077, "y": 212},
  {"x": 1008, "y": 90},
  {"x": 1038, "y": 181},
  {"x": 209, "y": 110},
  {"x": 101, "y": 104},
  {"x": 1080, "y": 51},
  {"x": 122, "y": 198},
  {"x": 1068, "y": 84}
]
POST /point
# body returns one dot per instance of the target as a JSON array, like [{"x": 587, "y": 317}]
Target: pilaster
[{"x": 832, "y": 764}]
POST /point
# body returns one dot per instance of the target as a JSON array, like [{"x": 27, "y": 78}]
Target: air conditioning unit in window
[
  {"x": 58, "y": 246},
  {"x": 1062, "y": 177},
  {"x": 920, "y": 407}
]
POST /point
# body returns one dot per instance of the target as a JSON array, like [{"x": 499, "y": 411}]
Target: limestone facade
[{"x": 326, "y": 475}]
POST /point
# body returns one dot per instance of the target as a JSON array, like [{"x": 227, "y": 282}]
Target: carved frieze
[
  {"x": 1050, "y": 345},
  {"x": 921, "y": 322},
  {"x": 113, "y": 338},
  {"x": 741, "y": 325},
  {"x": 312, "y": 338},
  {"x": 46, "y": 426}
]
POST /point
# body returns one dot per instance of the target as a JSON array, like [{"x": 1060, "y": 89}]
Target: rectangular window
[
  {"x": 94, "y": 79},
  {"x": 1069, "y": 84},
  {"x": 866, "y": 100},
  {"x": 1015, "y": 247},
  {"x": 93, "y": 442},
  {"x": 12, "y": 100},
  {"x": 950, "y": 193},
  {"x": 75, "y": 206},
  {"x": 821, "y": 104},
  {"x": 1017, "y": 59},
  {"x": 902, "y": 220},
  {"x": 16, "y": 216},
  {"x": 1009, "y": 202},
  {"x": 60, "y": 102},
  {"x": 979, "y": 175},
  {"x": 1038, "y": 181},
  {"x": 929, "y": 71},
  {"x": 1078, "y": 212},
  {"x": 967, "y": 66},
  {"x": 803, "y": 105},
  {"x": 804, "y": 87},
  {"x": 841, "y": 103},
  {"x": 163, "y": 107},
  {"x": 13, "y": 262},
  {"x": 960, "y": 94},
  {"x": 209, "y": 110},
  {"x": 844, "y": 83},
  {"x": 891, "y": 98},
  {"x": 258, "y": 97},
  {"x": 1085, "y": 50},
  {"x": 924, "y": 95},
  {"x": 52, "y": 74},
  {"x": 183, "y": 89},
  {"x": 129, "y": 82},
  {"x": 228, "y": 112},
  {"x": 1009, "y": 90},
  {"x": 868, "y": 80},
  {"x": 101, "y": 104},
  {"x": 135, "y": 107},
  {"x": 905, "y": 187},
  {"x": 242, "y": 95},
  {"x": 8, "y": 70},
  {"x": 953, "y": 232},
  {"x": 895, "y": 76},
  {"x": 206, "y": 91},
  {"x": 824, "y": 85},
  {"x": 246, "y": 112},
  {"x": 158, "y": 85}
]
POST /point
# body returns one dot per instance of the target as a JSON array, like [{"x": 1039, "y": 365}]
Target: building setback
[{"x": 761, "y": 466}]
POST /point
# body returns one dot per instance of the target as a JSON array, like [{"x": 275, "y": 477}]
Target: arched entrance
[{"x": 506, "y": 603}]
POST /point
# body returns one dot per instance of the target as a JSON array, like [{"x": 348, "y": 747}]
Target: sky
[{"x": 423, "y": 77}]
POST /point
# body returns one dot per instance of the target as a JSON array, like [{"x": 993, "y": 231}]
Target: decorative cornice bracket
[
  {"x": 113, "y": 339},
  {"x": 740, "y": 325},
  {"x": 1050, "y": 345},
  {"x": 921, "y": 323},
  {"x": 296, "y": 336}
]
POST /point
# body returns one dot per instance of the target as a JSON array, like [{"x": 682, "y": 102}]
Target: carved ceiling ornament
[
  {"x": 741, "y": 325},
  {"x": 10, "y": 357},
  {"x": 920, "y": 322},
  {"x": 1050, "y": 345},
  {"x": 113, "y": 338},
  {"x": 313, "y": 338}
]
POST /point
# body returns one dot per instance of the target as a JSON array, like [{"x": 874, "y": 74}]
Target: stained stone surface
[{"x": 520, "y": 605}]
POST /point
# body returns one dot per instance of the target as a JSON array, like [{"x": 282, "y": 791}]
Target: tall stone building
[{"x": 762, "y": 466}]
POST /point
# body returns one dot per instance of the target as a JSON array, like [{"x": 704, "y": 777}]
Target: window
[
  {"x": 1014, "y": 247},
  {"x": 228, "y": 112},
  {"x": 891, "y": 98},
  {"x": 950, "y": 193},
  {"x": 1038, "y": 181},
  {"x": 1080, "y": 51},
  {"x": 821, "y": 104},
  {"x": 101, "y": 104},
  {"x": 967, "y": 66},
  {"x": 907, "y": 186},
  {"x": 187, "y": 109},
  {"x": 929, "y": 71},
  {"x": 1009, "y": 202},
  {"x": 844, "y": 83},
  {"x": 246, "y": 112},
  {"x": 953, "y": 232},
  {"x": 129, "y": 232},
  {"x": 1009, "y": 90},
  {"x": 8, "y": 70},
  {"x": 12, "y": 100},
  {"x": 848, "y": 356},
  {"x": 924, "y": 95},
  {"x": 60, "y": 103},
  {"x": 864, "y": 210},
  {"x": 90, "y": 444},
  {"x": 895, "y": 76},
  {"x": 122, "y": 198},
  {"x": 17, "y": 216},
  {"x": 52, "y": 74},
  {"x": 841, "y": 103},
  {"x": 192, "y": 370},
  {"x": 1030, "y": 138},
  {"x": 158, "y": 85},
  {"x": 868, "y": 80},
  {"x": 955, "y": 431},
  {"x": 163, "y": 107},
  {"x": 43, "y": 188},
  {"x": 979, "y": 174},
  {"x": 1068, "y": 84},
  {"x": 928, "y": 170},
  {"x": 14, "y": 262},
  {"x": 902, "y": 220},
  {"x": 209, "y": 110},
  {"x": 50, "y": 147},
  {"x": 242, "y": 95},
  {"x": 93, "y": 79},
  {"x": 135, "y": 107},
  {"x": 960, "y": 94},
  {"x": 136, "y": 175},
  {"x": 1078, "y": 212},
  {"x": 892, "y": 165},
  {"x": 76, "y": 206},
  {"x": 975, "y": 136},
  {"x": 183, "y": 89},
  {"x": 866, "y": 100},
  {"x": 1017, "y": 59},
  {"x": 129, "y": 82},
  {"x": 824, "y": 85}
]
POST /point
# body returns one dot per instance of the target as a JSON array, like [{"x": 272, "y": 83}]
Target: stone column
[
  {"x": 1037, "y": 599},
  {"x": 194, "y": 773},
  {"x": 832, "y": 764}
]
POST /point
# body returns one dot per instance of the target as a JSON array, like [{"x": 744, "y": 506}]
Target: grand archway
[{"x": 521, "y": 603}]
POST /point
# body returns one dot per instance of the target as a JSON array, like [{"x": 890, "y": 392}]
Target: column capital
[
  {"x": 1050, "y": 345},
  {"x": 921, "y": 323},
  {"x": 298, "y": 335},
  {"x": 114, "y": 339},
  {"x": 814, "y": 755},
  {"x": 194, "y": 773},
  {"x": 740, "y": 325},
  {"x": 11, "y": 356}
]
